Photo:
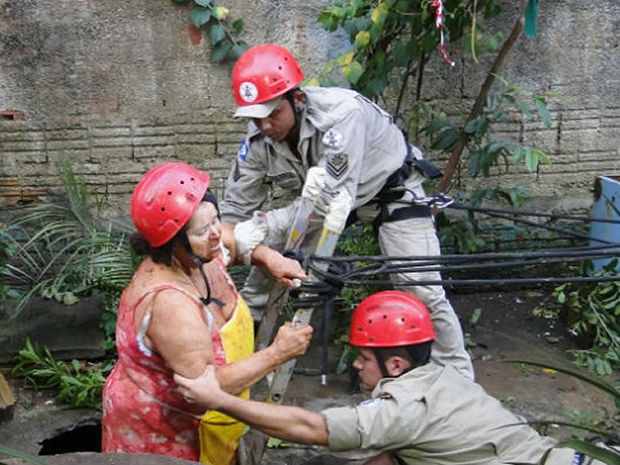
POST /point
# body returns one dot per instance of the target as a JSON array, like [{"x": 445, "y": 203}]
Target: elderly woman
[{"x": 180, "y": 313}]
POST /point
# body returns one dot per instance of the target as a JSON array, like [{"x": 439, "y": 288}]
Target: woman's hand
[{"x": 291, "y": 342}]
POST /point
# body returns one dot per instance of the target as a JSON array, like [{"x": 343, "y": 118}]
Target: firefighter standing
[{"x": 360, "y": 148}]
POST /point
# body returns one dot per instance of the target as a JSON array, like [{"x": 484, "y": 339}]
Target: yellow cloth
[{"x": 219, "y": 433}]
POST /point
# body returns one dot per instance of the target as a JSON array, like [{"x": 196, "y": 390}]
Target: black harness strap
[{"x": 399, "y": 214}]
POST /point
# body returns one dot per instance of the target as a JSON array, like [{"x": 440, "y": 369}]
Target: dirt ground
[{"x": 512, "y": 325}]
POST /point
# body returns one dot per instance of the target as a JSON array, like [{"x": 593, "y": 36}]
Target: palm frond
[{"x": 66, "y": 249}]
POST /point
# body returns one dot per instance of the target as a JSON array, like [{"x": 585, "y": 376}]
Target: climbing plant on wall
[{"x": 222, "y": 31}]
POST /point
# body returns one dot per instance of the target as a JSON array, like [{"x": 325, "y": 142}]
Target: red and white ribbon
[{"x": 438, "y": 5}]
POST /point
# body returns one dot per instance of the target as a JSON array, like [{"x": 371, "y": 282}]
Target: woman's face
[{"x": 204, "y": 232}]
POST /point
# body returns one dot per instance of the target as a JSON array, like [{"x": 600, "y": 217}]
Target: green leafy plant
[
  {"x": 487, "y": 155},
  {"x": 391, "y": 43},
  {"x": 64, "y": 249},
  {"x": 8, "y": 249},
  {"x": 606, "y": 427},
  {"x": 78, "y": 384},
  {"x": 593, "y": 314},
  {"x": 357, "y": 240},
  {"x": 392, "y": 40},
  {"x": 29, "y": 458},
  {"x": 485, "y": 150},
  {"x": 223, "y": 33}
]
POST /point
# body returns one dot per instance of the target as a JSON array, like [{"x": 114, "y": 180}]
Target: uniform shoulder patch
[
  {"x": 244, "y": 148},
  {"x": 333, "y": 138},
  {"x": 337, "y": 165}
]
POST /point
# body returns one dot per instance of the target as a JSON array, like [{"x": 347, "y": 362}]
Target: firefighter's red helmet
[
  {"x": 165, "y": 199},
  {"x": 390, "y": 319},
  {"x": 261, "y": 74}
]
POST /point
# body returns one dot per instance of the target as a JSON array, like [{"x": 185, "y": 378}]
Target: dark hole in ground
[{"x": 83, "y": 436}]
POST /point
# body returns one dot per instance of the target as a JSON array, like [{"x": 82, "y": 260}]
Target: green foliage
[
  {"x": 356, "y": 240},
  {"x": 488, "y": 155},
  {"x": 78, "y": 384},
  {"x": 391, "y": 40},
  {"x": 606, "y": 426},
  {"x": 8, "y": 249},
  {"x": 485, "y": 151},
  {"x": 223, "y": 33},
  {"x": 594, "y": 318},
  {"x": 64, "y": 250},
  {"x": 28, "y": 458}
]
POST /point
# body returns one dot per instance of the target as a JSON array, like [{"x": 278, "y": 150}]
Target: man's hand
[
  {"x": 286, "y": 271},
  {"x": 204, "y": 390}
]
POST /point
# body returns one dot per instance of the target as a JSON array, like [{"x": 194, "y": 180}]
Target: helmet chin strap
[
  {"x": 199, "y": 262},
  {"x": 381, "y": 362},
  {"x": 297, "y": 110}
]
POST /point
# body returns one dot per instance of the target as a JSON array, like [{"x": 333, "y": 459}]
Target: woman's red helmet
[
  {"x": 262, "y": 74},
  {"x": 390, "y": 319},
  {"x": 165, "y": 199}
]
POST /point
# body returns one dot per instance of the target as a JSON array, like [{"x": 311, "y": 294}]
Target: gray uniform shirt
[
  {"x": 352, "y": 138},
  {"x": 435, "y": 415}
]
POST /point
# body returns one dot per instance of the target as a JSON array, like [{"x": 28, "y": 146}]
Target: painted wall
[{"x": 120, "y": 86}]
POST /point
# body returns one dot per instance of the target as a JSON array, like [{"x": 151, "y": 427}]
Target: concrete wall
[{"x": 120, "y": 86}]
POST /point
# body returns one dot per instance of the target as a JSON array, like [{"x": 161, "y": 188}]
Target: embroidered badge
[
  {"x": 333, "y": 139},
  {"x": 248, "y": 92},
  {"x": 337, "y": 165},
  {"x": 244, "y": 148}
]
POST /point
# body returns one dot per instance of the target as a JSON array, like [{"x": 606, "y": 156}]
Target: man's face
[
  {"x": 367, "y": 368},
  {"x": 279, "y": 123}
]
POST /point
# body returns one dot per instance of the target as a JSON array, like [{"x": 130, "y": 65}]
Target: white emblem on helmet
[{"x": 248, "y": 92}]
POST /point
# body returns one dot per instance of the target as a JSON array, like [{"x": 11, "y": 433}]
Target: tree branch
[{"x": 479, "y": 105}]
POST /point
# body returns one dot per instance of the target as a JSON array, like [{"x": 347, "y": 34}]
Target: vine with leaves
[{"x": 222, "y": 31}]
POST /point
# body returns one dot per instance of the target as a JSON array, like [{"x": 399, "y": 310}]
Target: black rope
[
  {"x": 376, "y": 266},
  {"x": 552, "y": 216},
  {"x": 582, "y": 252},
  {"x": 549, "y": 228}
]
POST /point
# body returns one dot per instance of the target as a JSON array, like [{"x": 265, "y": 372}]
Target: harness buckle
[{"x": 439, "y": 201}]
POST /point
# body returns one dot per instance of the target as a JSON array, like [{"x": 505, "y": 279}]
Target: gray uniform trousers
[{"x": 411, "y": 237}]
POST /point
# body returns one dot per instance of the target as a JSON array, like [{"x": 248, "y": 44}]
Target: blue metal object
[{"x": 606, "y": 207}]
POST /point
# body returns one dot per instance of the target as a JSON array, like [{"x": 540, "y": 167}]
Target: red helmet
[
  {"x": 261, "y": 74},
  {"x": 390, "y": 319},
  {"x": 165, "y": 199}
]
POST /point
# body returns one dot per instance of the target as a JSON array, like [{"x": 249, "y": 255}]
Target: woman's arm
[
  {"x": 285, "y": 422},
  {"x": 180, "y": 336},
  {"x": 178, "y": 333},
  {"x": 289, "y": 343}
]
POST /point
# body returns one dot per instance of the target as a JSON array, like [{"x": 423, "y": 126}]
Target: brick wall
[
  {"x": 110, "y": 156},
  {"x": 121, "y": 86}
]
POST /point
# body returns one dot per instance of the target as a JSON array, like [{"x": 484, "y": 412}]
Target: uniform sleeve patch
[
  {"x": 337, "y": 165},
  {"x": 333, "y": 139},
  {"x": 244, "y": 148}
]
